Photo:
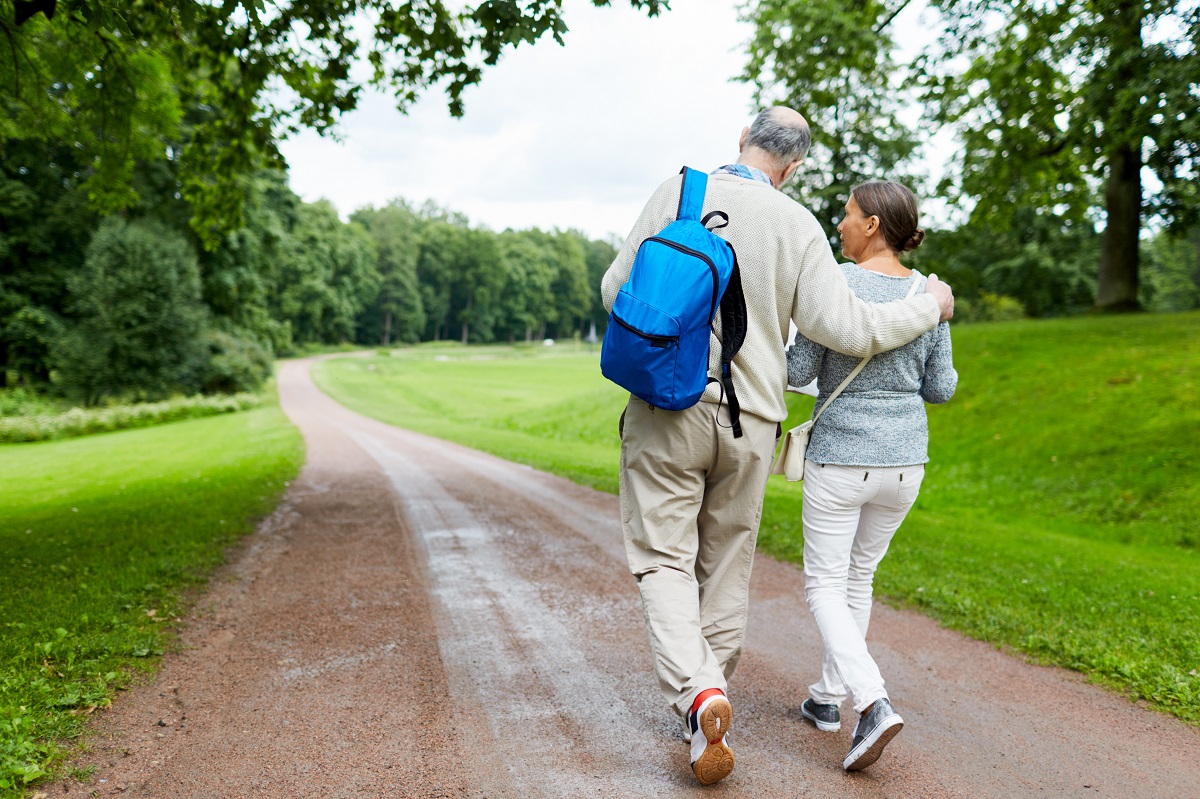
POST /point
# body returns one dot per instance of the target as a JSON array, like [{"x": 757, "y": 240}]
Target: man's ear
[
  {"x": 742, "y": 138},
  {"x": 791, "y": 170}
]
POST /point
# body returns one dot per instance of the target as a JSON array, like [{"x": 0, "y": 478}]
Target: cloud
[{"x": 573, "y": 136}]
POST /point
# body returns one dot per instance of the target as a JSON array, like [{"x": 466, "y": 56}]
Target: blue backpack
[{"x": 656, "y": 344}]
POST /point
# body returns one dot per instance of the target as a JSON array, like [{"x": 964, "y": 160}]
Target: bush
[
  {"x": 235, "y": 364},
  {"x": 25, "y": 402},
  {"x": 81, "y": 421},
  {"x": 989, "y": 307}
]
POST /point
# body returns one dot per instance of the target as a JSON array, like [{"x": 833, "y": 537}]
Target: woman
[{"x": 865, "y": 463}]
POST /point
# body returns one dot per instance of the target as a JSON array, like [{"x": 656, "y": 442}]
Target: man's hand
[{"x": 943, "y": 294}]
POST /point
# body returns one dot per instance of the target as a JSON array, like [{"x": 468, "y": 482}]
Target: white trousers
[{"x": 850, "y": 516}]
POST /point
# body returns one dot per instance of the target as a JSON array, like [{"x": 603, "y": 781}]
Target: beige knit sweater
[{"x": 788, "y": 272}]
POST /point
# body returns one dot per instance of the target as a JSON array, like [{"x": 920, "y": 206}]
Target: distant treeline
[{"x": 132, "y": 306}]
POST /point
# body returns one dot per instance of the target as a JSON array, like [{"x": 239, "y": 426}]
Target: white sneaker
[{"x": 712, "y": 759}]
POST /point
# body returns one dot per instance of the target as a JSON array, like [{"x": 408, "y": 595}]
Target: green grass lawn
[
  {"x": 100, "y": 538},
  {"x": 1058, "y": 514}
]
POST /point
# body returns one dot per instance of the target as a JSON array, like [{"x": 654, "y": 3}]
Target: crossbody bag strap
[{"x": 850, "y": 377}]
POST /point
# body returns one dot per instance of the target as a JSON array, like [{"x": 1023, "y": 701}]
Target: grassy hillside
[
  {"x": 99, "y": 537},
  {"x": 1058, "y": 512}
]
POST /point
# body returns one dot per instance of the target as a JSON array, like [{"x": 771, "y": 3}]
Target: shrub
[
  {"x": 989, "y": 307},
  {"x": 22, "y": 401},
  {"x": 235, "y": 364},
  {"x": 83, "y": 421}
]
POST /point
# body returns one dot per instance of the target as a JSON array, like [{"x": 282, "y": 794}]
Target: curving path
[{"x": 422, "y": 620}]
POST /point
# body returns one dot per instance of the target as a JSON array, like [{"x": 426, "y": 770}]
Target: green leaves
[
  {"x": 833, "y": 63},
  {"x": 123, "y": 81}
]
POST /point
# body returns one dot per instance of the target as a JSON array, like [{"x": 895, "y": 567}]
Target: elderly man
[{"x": 692, "y": 492}]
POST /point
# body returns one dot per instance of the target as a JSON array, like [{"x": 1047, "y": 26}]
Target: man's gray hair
[{"x": 786, "y": 142}]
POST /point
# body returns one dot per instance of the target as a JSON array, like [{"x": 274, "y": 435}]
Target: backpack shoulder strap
[
  {"x": 691, "y": 194},
  {"x": 734, "y": 321}
]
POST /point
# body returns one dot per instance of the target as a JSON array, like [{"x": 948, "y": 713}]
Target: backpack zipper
[
  {"x": 711, "y": 267},
  {"x": 662, "y": 342}
]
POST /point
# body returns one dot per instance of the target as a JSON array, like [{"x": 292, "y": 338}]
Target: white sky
[{"x": 575, "y": 136}]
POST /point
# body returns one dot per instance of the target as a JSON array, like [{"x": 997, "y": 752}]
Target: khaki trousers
[{"x": 691, "y": 501}]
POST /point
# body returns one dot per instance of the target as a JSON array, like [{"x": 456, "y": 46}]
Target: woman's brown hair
[{"x": 896, "y": 207}]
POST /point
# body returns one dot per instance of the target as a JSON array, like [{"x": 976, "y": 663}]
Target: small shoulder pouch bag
[{"x": 790, "y": 462}]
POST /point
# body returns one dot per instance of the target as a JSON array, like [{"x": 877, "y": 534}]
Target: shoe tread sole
[
  {"x": 716, "y": 762},
  {"x": 873, "y": 751}
]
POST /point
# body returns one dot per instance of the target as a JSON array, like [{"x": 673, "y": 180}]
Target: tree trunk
[
  {"x": 1117, "y": 284},
  {"x": 1117, "y": 287},
  {"x": 387, "y": 327}
]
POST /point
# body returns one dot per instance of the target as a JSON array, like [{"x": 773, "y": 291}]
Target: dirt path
[{"x": 422, "y": 620}]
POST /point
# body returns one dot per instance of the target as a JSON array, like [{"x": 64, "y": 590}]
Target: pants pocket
[
  {"x": 838, "y": 486},
  {"x": 910, "y": 485}
]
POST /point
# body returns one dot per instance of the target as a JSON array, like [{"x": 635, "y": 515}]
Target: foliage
[
  {"x": 599, "y": 256},
  {"x": 989, "y": 307},
  {"x": 241, "y": 276},
  {"x": 234, "y": 365},
  {"x": 26, "y": 402},
  {"x": 136, "y": 302},
  {"x": 1037, "y": 528},
  {"x": 80, "y": 422},
  {"x": 397, "y": 313},
  {"x": 100, "y": 539},
  {"x": 1172, "y": 272},
  {"x": 45, "y": 226},
  {"x": 1044, "y": 262},
  {"x": 1054, "y": 99},
  {"x": 326, "y": 275},
  {"x": 834, "y": 63},
  {"x": 224, "y": 81}
]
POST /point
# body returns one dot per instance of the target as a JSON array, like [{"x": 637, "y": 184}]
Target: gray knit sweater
[{"x": 879, "y": 419}]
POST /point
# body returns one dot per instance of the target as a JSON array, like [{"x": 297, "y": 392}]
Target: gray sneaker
[
  {"x": 826, "y": 717},
  {"x": 876, "y": 728}
]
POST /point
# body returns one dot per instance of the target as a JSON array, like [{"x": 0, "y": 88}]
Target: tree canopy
[
  {"x": 1058, "y": 105},
  {"x": 217, "y": 84}
]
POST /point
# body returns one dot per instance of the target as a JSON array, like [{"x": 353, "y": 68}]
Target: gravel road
[{"x": 422, "y": 620}]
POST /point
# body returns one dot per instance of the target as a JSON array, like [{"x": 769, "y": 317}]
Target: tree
[
  {"x": 138, "y": 318},
  {"x": 599, "y": 255},
  {"x": 572, "y": 293},
  {"x": 443, "y": 245},
  {"x": 45, "y": 227},
  {"x": 397, "y": 313},
  {"x": 241, "y": 276},
  {"x": 832, "y": 61},
  {"x": 116, "y": 77},
  {"x": 478, "y": 282},
  {"x": 1058, "y": 99},
  {"x": 327, "y": 276},
  {"x": 1172, "y": 272},
  {"x": 527, "y": 297}
]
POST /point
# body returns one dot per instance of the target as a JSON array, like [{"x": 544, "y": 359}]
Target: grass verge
[
  {"x": 1057, "y": 514},
  {"x": 100, "y": 538}
]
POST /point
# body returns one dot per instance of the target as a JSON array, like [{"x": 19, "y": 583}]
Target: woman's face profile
[{"x": 854, "y": 230}]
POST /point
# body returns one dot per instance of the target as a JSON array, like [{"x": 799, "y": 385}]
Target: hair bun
[{"x": 914, "y": 241}]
